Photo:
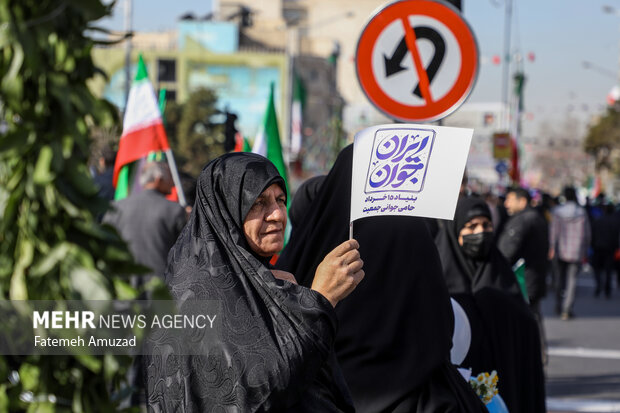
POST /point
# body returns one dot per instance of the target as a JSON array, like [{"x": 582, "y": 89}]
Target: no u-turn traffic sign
[{"x": 417, "y": 60}]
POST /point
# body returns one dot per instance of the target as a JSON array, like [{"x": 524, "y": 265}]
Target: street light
[{"x": 599, "y": 69}]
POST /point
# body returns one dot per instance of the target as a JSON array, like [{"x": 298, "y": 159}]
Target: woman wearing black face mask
[{"x": 504, "y": 332}]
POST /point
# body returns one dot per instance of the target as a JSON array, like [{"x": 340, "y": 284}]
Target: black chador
[{"x": 395, "y": 329}]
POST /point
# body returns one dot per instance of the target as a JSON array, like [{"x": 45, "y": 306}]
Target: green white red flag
[
  {"x": 143, "y": 130},
  {"x": 267, "y": 142}
]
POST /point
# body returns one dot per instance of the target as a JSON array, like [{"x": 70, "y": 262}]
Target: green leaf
[
  {"x": 12, "y": 83},
  {"x": 111, "y": 366},
  {"x": 42, "y": 173},
  {"x": 69, "y": 207},
  {"x": 94, "y": 230},
  {"x": 17, "y": 177},
  {"x": 67, "y": 146},
  {"x": 4, "y": 399},
  {"x": 90, "y": 362},
  {"x": 124, "y": 291},
  {"x": 29, "y": 376},
  {"x": 51, "y": 259},
  {"x": 10, "y": 210},
  {"x": 18, "y": 289},
  {"x": 89, "y": 284},
  {"x": 49, "y": 200},
  {"x": 91, "y": 10},
  {"x": 61, "y": 50},
  {"x": 42, "y": 407}
]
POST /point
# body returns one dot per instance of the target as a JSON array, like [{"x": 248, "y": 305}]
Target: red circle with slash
[{"x": 371, "y": 38}]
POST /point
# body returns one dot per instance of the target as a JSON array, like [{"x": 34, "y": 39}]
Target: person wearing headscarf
[
  {"x": 395, "y": 333},
  {"x": 504, "y": 333},
  {"x": 300, "y": 206},
  {"x": 275, "y": 349}
]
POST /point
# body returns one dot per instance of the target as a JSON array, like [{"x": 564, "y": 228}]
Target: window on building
[{"x": 166, "y": 70}]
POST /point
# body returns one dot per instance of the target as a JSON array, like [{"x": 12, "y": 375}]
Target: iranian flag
[
  {"x": 241, "y": 143},
  {"x": 267, "y": 142},
  {"x": 143, "y": 130}
]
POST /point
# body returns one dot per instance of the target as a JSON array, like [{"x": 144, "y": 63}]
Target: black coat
[
  {"x": 526, "y": 235},
  {"x": 605, "y": 232}
]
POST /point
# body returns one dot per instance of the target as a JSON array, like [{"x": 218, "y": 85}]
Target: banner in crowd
[{"x": 408, "y": 169}]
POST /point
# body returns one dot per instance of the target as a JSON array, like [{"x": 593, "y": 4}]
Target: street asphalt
[{"x": 583, "y": 372}]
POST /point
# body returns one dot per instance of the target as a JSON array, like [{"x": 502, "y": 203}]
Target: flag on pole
[
  {"x": 143, "y": 131},
  {"x": 267, "y": 141},
  {"x": 299, "y": 100},
  {"x": 241, "y": 143},
  {"x": 594, "y": 186}
]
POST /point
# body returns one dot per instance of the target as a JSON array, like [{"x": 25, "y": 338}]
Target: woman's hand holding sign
[{"x": 339, "y": 272}]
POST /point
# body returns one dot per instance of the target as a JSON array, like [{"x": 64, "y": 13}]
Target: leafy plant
[{"x": 51, "y": 246}]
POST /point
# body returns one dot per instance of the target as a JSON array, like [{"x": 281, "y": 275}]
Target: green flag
[
  {"x": 519, "y": 269},
  {"x": 143, "y": 132},
  {"x": 267, "y": 142}
]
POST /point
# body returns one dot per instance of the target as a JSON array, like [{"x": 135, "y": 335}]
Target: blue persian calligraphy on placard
[{"x": 399, "y": 160}]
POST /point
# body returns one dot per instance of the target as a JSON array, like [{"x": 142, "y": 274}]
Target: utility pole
[
  {"x": 615, "y": 12},
  {"x": 507, "y": 59},
  {"x": 128, "y": 29}
]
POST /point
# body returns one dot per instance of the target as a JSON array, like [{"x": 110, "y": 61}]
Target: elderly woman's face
[
  {"x": 475, "y": 226},
  {"x": 264, "y": 225}
]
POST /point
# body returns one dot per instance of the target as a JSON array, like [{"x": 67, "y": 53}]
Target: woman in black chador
[
  {"x": 504, "y": 332},
  {"x": 274, "y": 352},
  {"x": 395, "y": 330}
]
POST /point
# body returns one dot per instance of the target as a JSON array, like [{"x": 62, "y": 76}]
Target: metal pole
[
  {"x": 128, "y": 29},
  {"x": 618, "y": 59},
  {"x": 175, "y": 177},
  {"x": 292, "y": 51},
  {"x": 505, "y": 75}
]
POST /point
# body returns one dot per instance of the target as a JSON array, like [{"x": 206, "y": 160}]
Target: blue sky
[{"x": 561, "y": 33}]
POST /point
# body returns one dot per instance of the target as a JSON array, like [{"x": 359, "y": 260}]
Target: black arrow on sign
[{"x": 393, "y": 64}]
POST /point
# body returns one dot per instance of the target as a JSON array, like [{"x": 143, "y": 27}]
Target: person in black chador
[
  {"x": 300, "y": 206},
  {"x": 504, "y": 332},
  {"x": 275, "y": 350},
  {"x": 395, "y": 330},
  {"x": 605, "y": 231}
]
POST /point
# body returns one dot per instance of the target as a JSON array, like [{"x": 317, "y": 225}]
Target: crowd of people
[{"x": 363, "y": 324}]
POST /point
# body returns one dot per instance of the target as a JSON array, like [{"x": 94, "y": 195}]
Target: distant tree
[
  {"x": 198, "y": 140},
  {"x": 603, "y": 137},
  {"x": 51, "y": 246}
]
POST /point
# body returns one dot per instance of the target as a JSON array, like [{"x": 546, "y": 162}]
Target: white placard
[{"x": 408, "y": 169}]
